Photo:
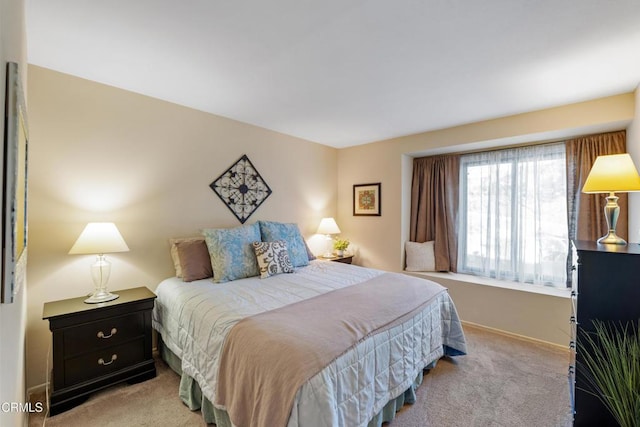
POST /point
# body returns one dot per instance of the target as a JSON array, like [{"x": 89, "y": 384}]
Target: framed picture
[
  {"x": 366, "y": 200},
  {"x": 14, "y": 196}
]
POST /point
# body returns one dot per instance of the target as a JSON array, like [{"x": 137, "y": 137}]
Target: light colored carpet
[{"x": 502, "y": 382}]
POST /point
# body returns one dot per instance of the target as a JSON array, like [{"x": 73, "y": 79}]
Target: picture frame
[
  {"x": 14, "y": 194},
  {"x": 367, "y": 199}
]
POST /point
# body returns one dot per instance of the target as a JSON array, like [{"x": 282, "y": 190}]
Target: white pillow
[{"x": 420, "y": 256}]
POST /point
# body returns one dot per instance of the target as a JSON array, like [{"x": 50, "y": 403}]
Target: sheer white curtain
[{"x": 513, "y": 214}]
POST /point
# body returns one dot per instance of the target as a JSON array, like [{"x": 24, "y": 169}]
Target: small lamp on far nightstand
[
  {"x": 100, "y": 238},
  {"x": 328, "y": 227}
]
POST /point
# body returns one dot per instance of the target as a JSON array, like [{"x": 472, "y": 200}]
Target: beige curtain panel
[
  {"x": 434, "y": 207},
  {"x": 586, "y": 211}
]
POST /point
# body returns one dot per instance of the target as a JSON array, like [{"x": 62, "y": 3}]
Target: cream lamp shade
[
  {"x": 100, "y": 238},
  {"x": 612, "y": 174},
  {"x": 328, "y": 226}
]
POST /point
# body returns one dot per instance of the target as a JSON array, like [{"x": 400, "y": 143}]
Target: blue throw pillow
[
  {"x": 231, "y": 252},
  {"x": 272, "y": 231}
]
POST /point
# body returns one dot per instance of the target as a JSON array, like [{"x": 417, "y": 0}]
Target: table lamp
[
  {"x": 328, "y": 227},
  {"x": 100, "y": 238},
  {"x": 612, "y": 174}
]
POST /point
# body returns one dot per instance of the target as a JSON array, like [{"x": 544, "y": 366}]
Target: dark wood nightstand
[
  {"x": 347, "y": 259},
  {"x": 98, "y": 345}
]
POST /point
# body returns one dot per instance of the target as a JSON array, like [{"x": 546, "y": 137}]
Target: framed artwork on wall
[
  {"x": 14, "y": 195},
  {"x": 366, "y": 200}
]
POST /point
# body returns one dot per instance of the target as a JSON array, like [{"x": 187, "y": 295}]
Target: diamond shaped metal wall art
[{"x": 241, "y": 188}]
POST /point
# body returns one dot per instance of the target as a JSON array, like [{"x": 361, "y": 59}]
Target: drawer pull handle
[
  {"x": 102, "y": 335},
  {"x": 102, "y": 362}
]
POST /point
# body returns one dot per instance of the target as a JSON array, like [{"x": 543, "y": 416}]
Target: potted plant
[
  {"x": 340, "y": 245},
  {"x": 612, "y": 358}
]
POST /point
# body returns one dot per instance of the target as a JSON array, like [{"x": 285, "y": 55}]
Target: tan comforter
[{"x": 267, "y": 357}]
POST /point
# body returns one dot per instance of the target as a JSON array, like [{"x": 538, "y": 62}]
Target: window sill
[{"x": 485, "y": 281}]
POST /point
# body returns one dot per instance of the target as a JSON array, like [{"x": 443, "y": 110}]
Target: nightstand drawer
[
  {"x": 103, "y": 362},
  {"x": 103, "y": 333}
]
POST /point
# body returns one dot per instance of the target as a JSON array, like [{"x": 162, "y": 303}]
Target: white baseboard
[
  {"x": 36, "y": 389},
  {"x": 537, "y": 341}
]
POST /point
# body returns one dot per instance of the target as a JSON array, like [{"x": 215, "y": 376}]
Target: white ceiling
[{"x": 346, "y": 72}]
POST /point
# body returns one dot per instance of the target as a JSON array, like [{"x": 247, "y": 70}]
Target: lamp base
[
  {"x": 101, "y": 296},
  {"x": 611, "y": 212},
  {"x": 611, "y": 239}
]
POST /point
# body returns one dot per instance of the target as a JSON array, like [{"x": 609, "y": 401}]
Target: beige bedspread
[{"x": 267, "y": 357}]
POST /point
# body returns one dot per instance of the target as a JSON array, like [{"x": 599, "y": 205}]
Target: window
[{"x": 513, "y": 214}]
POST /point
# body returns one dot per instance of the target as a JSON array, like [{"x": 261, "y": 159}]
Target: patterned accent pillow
[
  {"x": 231, "y": 252},
  {"x": 273, "y": 258},
  {"x": 272, "y": 231}
]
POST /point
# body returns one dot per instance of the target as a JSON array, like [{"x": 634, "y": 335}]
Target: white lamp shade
[
  {"x": 612, "y": 174},
  {"x": 99, "y": 238},
  {"x": 328, "y": 226}
]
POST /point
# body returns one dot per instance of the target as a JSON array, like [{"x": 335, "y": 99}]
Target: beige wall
[
  {"x": 13, "y": 317},
  {"x": 633, "y": 147},
  {"x": 379, "y": 240},
  {"x": 104, "y": 154},
  {"x": 533, "y": 315}
]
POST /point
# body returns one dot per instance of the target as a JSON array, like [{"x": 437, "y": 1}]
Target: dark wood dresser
[
  {"x": 608, "y": 289},
  {"x": 98, "y": 345}
]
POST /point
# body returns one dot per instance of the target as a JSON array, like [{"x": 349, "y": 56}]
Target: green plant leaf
[{"x": 611, "y": 356}]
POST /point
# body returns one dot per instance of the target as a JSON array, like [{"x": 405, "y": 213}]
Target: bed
[{"x": 362, "y": 383}]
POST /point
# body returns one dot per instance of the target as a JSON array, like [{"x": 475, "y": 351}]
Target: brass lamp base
[
  {"x": 611, "y": 239},
  {"x": 611, "y": 212}
]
